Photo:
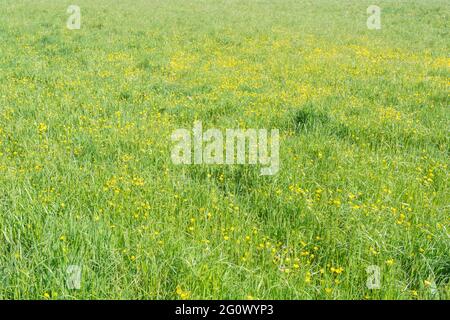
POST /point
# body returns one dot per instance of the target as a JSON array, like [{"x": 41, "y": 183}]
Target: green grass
[{"x": 86, "y": 176}]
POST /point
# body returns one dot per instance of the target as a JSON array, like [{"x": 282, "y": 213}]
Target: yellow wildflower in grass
[
  {"x": 182, "y": 294},
  {"x": 42, "y": 127},
  {"x": 338, "y": 270}
]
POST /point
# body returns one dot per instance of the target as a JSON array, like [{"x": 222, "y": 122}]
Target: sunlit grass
[{"x": 86, "y": 176}]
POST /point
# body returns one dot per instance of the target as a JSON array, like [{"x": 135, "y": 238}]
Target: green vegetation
[{"x": 86, "y": 176}]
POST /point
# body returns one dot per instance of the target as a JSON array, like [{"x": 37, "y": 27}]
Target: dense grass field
[{"x": 86, "y": 176}]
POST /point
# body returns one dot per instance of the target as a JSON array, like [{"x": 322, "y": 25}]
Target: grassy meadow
[{"x": 86, "y": 176}]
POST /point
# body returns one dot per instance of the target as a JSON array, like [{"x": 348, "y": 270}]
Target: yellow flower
[
  {"x": 337, "y": 270},
  {"x": 182, "y": 294},
  {"x": 390, "y": 262},
  {"x": 185, "y": 295},
  {"x": 42, "y": 127},
  {"x": 308, "y": 277},
  {"x": 137, "y": 181}
]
